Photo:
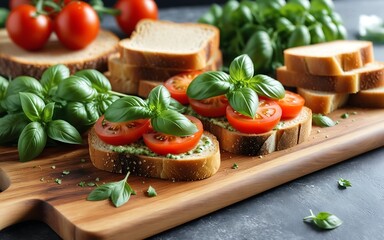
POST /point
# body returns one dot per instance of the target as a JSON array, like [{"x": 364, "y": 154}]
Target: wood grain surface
[{"x": 29, "y": 190}]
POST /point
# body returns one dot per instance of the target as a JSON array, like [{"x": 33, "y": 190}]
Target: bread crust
[
  {"x": 372, "y": 98},
  {"x": 323, "y": 102},
  {"x": 192, "y": 168},
  {"x": 15, "y": 61}
]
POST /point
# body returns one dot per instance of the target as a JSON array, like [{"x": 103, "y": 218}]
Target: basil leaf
[
  {"x": 80, "y": 114},
  {"x": 127, "y": 109},
  {"x": 267, "y": 86},
  {"x": 322, "y": 121},
  {"x": 121, "y": 193},
  {"x": 32, "y": 141},
  {"x": 209, "y": 84},
  {"x": 159, "y": 99},
  {"x": 11, "y": 126},
  {"x": 97, "y": 79},
  {"x": 104, "y": 100},
  {"x": 3, "y": 90},
  {"x": 344, "y": 183},
  {"x": 173, "y": 123},
  {"x": 244, "y": 101},
  {"x": 53, "y": 76},
  {"x": 3, "y": 16},
  {"x": 178, "y": 107},
  {"x": 48, "y": 112},
  {"x": 76, "y": 89},
  {"x": 324, "y": 220},
  {"x": 101, "y": 192},
  {"x": 151, "y": 192},
  {"x": 32, "y": 106},
  {"x": 62, "y": 131},
  {"x": 241, "y": 68}
]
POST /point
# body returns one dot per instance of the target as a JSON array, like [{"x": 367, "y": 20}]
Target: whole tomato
[
  {"x": 28, "y": 30},
  {"x": 14, "y": 3},
  {"x": 77, "y": 25},
  {"x": 132, "y": 11}
]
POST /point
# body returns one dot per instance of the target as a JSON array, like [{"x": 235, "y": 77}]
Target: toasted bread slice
[
  {"x": 330, "y": 58},
  {"x": 15, "y": 61},
  {"x": 164, "y": 44},
  {"x": 287, "y": 134},
  {"x": 369, "y": 76},
  {"x": 323, "y": 102},
  {"x": 371, "y": 98},
  {"x": 195, "y": 166}
]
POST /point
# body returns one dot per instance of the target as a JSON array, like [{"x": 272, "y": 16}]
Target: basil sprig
[
  {"x": 240, "y": 86},
  {"x": 159, "y": 107},
  {"x": 324, "y": 220}
]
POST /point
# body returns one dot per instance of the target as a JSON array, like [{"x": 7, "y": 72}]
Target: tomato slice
[
  {"x": 291, "y": 105},
  {"x": 121, "y": 133},
  {"x": 178, "y": 84},
  {"x": 267, "y": 117},
  {"x": 164, "y": 144},
  {"x": 210, "y": 107}
]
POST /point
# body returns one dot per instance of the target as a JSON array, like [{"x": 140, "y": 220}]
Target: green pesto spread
[{"x": 139, "y": 148}]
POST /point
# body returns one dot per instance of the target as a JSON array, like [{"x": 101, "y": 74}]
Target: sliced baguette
[
  {"x": 15, "y": 61},
  {"x": 164, "y": 44},
  {"x": 323, "y": 102},
  {"x": 372, "y": 98},
  {"x": 288, "y": 134},
  {"x": 369, "y": 76},
  {"x": 330, "y": 58},
  {"x": 196, "y": 166}
]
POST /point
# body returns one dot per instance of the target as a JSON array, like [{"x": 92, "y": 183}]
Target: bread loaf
[
  {"x": 372, "y": 98},
  {"x": 330, "y": 58},
  {"x": 191, "y": 167},
  {"x": 323, "y": 102},
  {"x": 163, "y": 44},
  {"x": 15, "y": 61}
]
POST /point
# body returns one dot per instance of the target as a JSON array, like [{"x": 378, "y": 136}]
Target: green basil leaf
[
  {"x": 3, "y": 16},
  {"x": 260, "y": 49},
  {"x": 244, "y": 101},
  {"x": 121, "y": 192},
  {"x": 48, "y": 112},
  {"x": 101, "y": 192},
  {"x": 32, "y": 141},
  {"x": 98, "y": 80},
  {"x": 3, "y": 90},
  {"x": 53, "y": 76},
  {"x": 76, "y": 89},
  {"x": 344, "y": 183},
  {"x": 209, "y": 84},
  {"x": 127, "y": 109},
  {"x": 103, "y": 101},
  {"x": 322, "y": 121},
  {"x": 80, "y": 114},
  {"x": 267, "y": 86},
  {"x": 324, "y": 220},
  {"x": 32, "y": 106},
  {"x": 173, "y": 123},
  {"x": 151, "y": 192},
  {"x": 62, "y": 131},
  {"x": 11, "y": 126},
  {"x": 241, "y": 68},
  {"x": 177, "y": 106},
  {"x": 159, "y": 99}
]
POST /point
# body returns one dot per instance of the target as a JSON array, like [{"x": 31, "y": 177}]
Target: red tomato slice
[
  {"x": 267, "y": 117},
  {"x": 177, "y": 85},
  {"x": 164, "y": 144},
  {"x": 210, "y": 107},
  {"x": 121, "y": 133},
  {"x": 291, "y": 105}
]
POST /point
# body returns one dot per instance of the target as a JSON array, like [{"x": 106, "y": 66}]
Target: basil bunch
[
  {"x": 164, "y": 112},
  {"x": 240, "y": 86},
  {"x": 58, "y": 107},
  {"x": 264, "y": 28}
]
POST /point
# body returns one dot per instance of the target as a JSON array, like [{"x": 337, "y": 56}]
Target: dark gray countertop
[{"x": 278, "y": 213}]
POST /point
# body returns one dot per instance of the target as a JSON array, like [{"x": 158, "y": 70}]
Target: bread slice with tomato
[{"x": 151, "y": 138}]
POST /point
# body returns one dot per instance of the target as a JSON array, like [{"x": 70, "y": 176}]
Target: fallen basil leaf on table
[
  {"x": 322, "y": 121},
  {"x": 324, "y": 220},
  {"x": 151, "y": 192},
  {"x": 344, "y": 183}
]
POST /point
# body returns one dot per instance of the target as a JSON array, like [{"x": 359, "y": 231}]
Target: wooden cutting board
[{"x": 29, "y": 190}]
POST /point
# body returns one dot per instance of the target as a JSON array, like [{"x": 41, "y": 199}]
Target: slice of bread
[
  {"x": 15, "y": 61},
  {"x": 195, "y": 166},
  {"x": 330, "y": 58},
  {"x": 164, "y": 44},
  {"x": 372, "y": 98},
  {"x": 323, "y": 102},
  {"x": 287, "y": 134},
  {"x": 369, "y": 76},
  {"x": 145, "y": 87}
]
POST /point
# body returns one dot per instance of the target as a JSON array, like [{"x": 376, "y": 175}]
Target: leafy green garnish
[
  {"x": 240, "y": 86},
  {"x": 151, "y": 192},
  {"x": 322, "y": 121},
  {"x": 119, "y": 192},
  {"x": 344, "y": 183},
  {"x": 324, "y": 220}
]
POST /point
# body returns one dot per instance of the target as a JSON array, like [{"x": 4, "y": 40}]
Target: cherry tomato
[
  {"x": 267, "y": 117},
  {"x": 77, "y": 25},
  {"x": 27, "y": 30},
  {"x": 14, "y": 3},
  {"x": 210, "y": 107},
  {"x": 132, "y": 11},
  {"x": 177, "y": 85},
  {"x": 164, "y": 144},
  {"x": 291, "y": 105},
  {"x": 121, "y": 133}
]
